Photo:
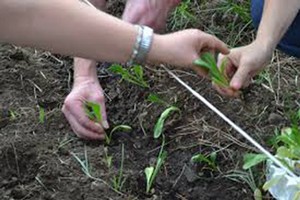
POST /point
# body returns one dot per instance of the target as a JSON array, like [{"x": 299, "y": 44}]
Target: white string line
[{"x": 231, "y": 123}]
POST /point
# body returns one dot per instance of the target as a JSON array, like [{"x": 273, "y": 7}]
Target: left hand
[
  {"x": 85, "y": 89},
  {"x": 152, "y": 13},
  {"x": 243, "y": 64}
]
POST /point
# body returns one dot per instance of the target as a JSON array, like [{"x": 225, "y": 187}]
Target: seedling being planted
[
  {"x": 93, "y": 111},
  {"x": 117, "y": 128},
  {"x": 217, "y": 75},
  {"x": 151, "y": 172},
  {"x": 158, "y": 129},
  {"x": 133, "y": 75}
]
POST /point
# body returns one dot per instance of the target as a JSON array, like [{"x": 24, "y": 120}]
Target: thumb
[{"x": 240, "y": 77}]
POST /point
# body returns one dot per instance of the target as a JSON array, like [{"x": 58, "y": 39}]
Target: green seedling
[
  {"x": 287, "y": 145},
  {"x": 158, "y": 129},
  {"x": 217, "y": 75},
  {"x": 210, "y": 159},
  {"x": 248, "y": 178},
  {"x": 42, "y": 115},
  {"x": 151, "y": 172},
  {"x": 134, "y": 75},
  {"x": 108, "y": 159},
  {"x": 154, "y": 98},
  {"x": 252, "y": 159},
  {"x": 182, "y": 16},
  {"x": 85, "y": 166},
  {"x": 13, "y": 115},
  {"x": 117, "y": 128},
  {"x": 118, "y": 181},
  {"x": 93, "y": 111}
]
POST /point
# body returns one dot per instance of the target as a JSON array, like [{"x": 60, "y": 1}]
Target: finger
[
  {"x": 200, "y": 71},
  {"x": 229, "y": 92},
  {"x": 78, "y": 112},
  {"x": 215, "y": 44},
  {"x": 81, "y": 131},
  {"x": 240, "y": 78}
]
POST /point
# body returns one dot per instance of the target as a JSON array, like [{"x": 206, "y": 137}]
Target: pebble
[
  {"x": 275, "y": 119},
  {"x": 190, "y": 175}
]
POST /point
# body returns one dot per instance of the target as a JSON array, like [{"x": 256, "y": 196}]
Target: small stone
[
  {"x": 61, "y": 126},
  {"x": 96, "y": 185},
  {"x": 190, "y": 175},
  {"x": 275, "y": 119}
]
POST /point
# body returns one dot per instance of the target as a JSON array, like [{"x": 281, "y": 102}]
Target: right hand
[
  {"x": 243, "y": 64},
  {"x": 182, "y": 48}
]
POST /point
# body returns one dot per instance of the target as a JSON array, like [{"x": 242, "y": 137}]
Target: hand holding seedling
[
  {"x": 243, "y": 64},
  {"x": 74, "y": 109}
]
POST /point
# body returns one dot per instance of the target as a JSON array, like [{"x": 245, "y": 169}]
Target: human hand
[
  {"x": 152, "y": 13},
  {"x": 242, "y": 65},
  {"x": 85, "y": 89},
  {"x": 182, "y": 48}
]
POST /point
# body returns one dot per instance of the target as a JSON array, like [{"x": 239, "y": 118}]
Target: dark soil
[{"x": 37, "y": 159}]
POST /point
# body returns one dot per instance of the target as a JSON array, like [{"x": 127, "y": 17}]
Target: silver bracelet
[{"x": 142, "y": 45}]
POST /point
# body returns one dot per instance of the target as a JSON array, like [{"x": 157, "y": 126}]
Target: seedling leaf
[
  {"x": 217, "y": 75},
  {"x": 251, "y": 160},
  {"x": 271, "y": 182},
  {"x": 154, "y": 98},
  {"x": 93, "y": 111},
  {"x": 117, "y": 128},
  {"x": 206, "y": 159},
  {"x": 149, "y": 172},
  {"x": 161, "y": 120}
]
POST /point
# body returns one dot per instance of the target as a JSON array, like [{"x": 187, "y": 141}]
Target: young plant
[
  {"x": 85, "y": 166},
  {"x": 151, "y": 172},
  {"x": 93, "y": 111},
  {"x": 118, "y": 181},
  {"x": 288, "y": 147},
  {"x": 117, "y": 128},
  {"x": 210, "y": 159},
  {"x": 217, "y": 75},
  {"x": 134, "y": 75},
  {"x": 108, "y": 159},
  {"x": 158, "y": 129},
  {"x": 42, "y": 115},
  {"x": 154, "y": 98}
]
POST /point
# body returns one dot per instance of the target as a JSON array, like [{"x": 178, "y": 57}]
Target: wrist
[
  {"x": 84, "y": 69},
  {"x": 157, "y": 50},
  {"x": 266, "y": 45}
]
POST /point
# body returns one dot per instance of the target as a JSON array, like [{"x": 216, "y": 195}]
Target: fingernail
[{"x": 105, "y": 124}]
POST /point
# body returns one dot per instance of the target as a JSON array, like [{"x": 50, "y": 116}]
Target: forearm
[
  {"x": 75, "y": 29},
  {"x": 277, "y": 16}
]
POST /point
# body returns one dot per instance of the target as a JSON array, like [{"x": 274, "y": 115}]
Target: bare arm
[
  {"x": 67, "y": 27},
  {"x": 277, "y": 16}
]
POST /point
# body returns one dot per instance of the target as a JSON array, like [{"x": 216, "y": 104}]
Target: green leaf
[
  {"x": 138, "y": 70},
  {"x": 257, "y": 194},
  {"x": 121, "y": 128},
  {"x": 41, "y": 115},
  {"x": 161, "y": 120},
  {"x": 272, "y": 182},
  {"x": 251, "y": 160},
  {"x": 149, "y": 173},
  {"x": 201, "y": 158},
  {"x": 93, "y": 111},
  {"x": 284, "y": 152},
  {"x": 154, "y": 98},
  {"x": 202, "y": 63}
]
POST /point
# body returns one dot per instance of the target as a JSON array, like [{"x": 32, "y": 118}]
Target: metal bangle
[
  {"x": 145, "y": 45},
  {"x": 136, "y": 46}
]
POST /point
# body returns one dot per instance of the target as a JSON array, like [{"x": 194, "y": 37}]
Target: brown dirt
[{"x": 36, "y": 158}]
